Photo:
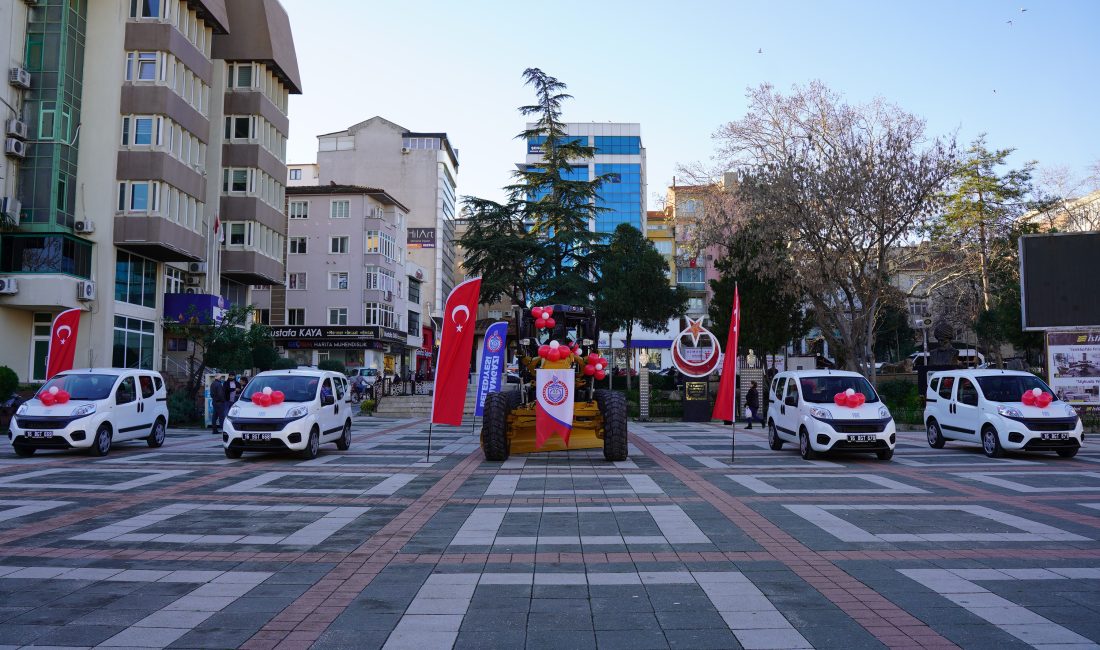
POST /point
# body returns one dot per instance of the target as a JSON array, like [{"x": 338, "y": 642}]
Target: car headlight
[
  {"x": 22, "y": 409},
  {"x": 81, "y": 411},
  {"x": 234, "y": 412},
  {"x": 297, "y": 412},
  {"x": 1070, "y": 411},
  {"x": 884, "y": 413},
  {"x": 1009, "y": 411},
  {"x": 821, "y": 414}
]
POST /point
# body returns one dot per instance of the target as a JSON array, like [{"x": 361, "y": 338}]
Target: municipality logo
[
  {"x": 495, "y": 343},
  {"x": 555, "y": 392}
]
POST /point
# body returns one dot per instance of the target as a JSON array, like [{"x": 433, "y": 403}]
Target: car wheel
[
  {"x": 804, "y": 449},
  {"x": 494, "y": 427},
  {"x": 233, "y": 452},
  {"x": 24, "y": 451},
  {"x": 156, "y": 438},
  {"x": 313, "y": 446},
  {"x": 885, "y": 454},
  {"x": 1064, "y": 453},
  {"x": 102, "y": 442},
  {"x": 935, "y": 436},
  {"x": 344, "y": 442},
  {"x": 991, "y": 443},
  {"x": 615, "y": 446},
  {"x": 773, "y": 437}
]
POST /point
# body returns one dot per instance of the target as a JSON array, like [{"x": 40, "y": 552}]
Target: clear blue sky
[{"x": 681, "y": 69}]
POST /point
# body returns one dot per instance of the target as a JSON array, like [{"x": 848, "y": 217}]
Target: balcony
[
  {"x": 159, "y": 238},
  {"x": 250, "y": 267}
]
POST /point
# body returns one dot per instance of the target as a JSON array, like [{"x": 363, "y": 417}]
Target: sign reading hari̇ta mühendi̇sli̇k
[{"x": 701, "y": 357}]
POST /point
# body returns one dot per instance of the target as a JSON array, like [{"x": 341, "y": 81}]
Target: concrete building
[
  {"x": 299, "y": 175},
  {"x": 150, "y": 124},
  {"x": 691, "y": 269},
  {"x": 418, "y": 169}
]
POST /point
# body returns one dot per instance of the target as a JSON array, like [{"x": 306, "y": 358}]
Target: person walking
[
  {"x": 234, "y": 387},
  {"x": 219, "y": 394},
  {"x": 752, "y": 402}
]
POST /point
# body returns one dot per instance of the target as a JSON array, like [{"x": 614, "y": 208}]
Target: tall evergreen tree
[{"x": 501, "y": 250}]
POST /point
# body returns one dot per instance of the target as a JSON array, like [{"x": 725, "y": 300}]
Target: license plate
[
  {"x": 257, "y": 437},
  {"x": 39, "y": 434},
  {"x": 862, "y": 437},
  {"x": 1054, "y": 436}
]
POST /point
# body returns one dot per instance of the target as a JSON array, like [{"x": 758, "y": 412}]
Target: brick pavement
[{"x": 677, "y": 547}]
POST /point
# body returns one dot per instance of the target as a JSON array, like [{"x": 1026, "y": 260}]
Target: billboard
[
  {"x": 420, "y": 238},
  {"x": 1058, "y": 287},
  {"x": 1074, "y": 362}
]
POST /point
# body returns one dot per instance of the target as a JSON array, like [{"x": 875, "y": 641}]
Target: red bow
[{"x": 853, "y": 400}]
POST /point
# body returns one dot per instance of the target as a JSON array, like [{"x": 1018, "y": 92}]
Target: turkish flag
[
  {"x": 723, "y": 403},
  {"x": 63, "y": 342},
  {"x": 452, "y": 372}
]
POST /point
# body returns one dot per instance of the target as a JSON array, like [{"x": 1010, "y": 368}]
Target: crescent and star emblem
[
  {"x": 454, "y": 316},
  {"x": 696, "y": 368},
  {"x": 63, "y": 334}
]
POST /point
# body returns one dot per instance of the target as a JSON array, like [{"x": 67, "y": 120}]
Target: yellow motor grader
[{"x": 599, "y": 416}]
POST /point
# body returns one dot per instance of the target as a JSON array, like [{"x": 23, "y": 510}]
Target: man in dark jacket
[
  {"x": 752, "y": 402},
  {"x": 219, "y": 394}
]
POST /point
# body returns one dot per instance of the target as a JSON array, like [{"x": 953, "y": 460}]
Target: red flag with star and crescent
[
  {"x": 723, "y": 402},
  {"x": 62, "y": 342},
  {"x": 456, "y": 342}
]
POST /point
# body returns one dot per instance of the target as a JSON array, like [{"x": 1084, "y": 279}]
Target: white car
[
  {"x": 802, "y": 409},
  {"x": 101, "y": 406},
  {"x": 315, "y": 410},
  {"x": 371, "y": 375},
  {"x": 986, "y": 407}
]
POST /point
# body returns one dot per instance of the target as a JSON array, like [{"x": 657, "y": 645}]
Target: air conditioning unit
[
  {"x": 192, "y": 280},
  {"x": 85, "y": 290},
  {"x": 19, "y": 77},
  {"x": 9, "y": 207},
  {"x": 405, "y": 150},
  {"x": 16, "y": 128},
  {"x": 15, "y": 148},
  {"x": 8, "y": 286},
  {"x": 192, "y": 290},
  {"x": 85, "y": 227},
  {"x": 197, "y": 267}
]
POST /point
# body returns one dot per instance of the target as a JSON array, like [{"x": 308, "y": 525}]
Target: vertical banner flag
[
  {"x": 723, "y": 403},
  {"x": 492, "y": 364},
  {"x": 62, "y": 342},
  {"x": 456, "y": 342},
  {"x": 554, "y": 405}
]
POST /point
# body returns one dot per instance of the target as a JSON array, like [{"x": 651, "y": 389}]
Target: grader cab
[{"x": 599, "y": 416}]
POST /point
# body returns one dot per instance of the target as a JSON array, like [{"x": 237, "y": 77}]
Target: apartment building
[
  {"x": 151, "y": 183},
  {"x": 307, "y": 174}
]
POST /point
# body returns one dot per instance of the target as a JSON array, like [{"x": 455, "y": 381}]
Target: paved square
[
  {"x": 101, "y": 478},
  {"x": 822, "y": 484},
  {"x": 292, "y": 483},
  {"x": 14, "y": 508},
  {"x": 1038, "y": 482},
  {"x": 669, "y": 524}
]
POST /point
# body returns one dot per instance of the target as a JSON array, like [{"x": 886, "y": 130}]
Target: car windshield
[
  {"x": 82, "y": 387},
  {"x": 1010, "y": 388},
  {"x": 821, "y": 390},
  {"x": 295, "y": 388}
]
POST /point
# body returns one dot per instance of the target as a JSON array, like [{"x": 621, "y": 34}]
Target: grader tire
[
  {"x": 494, "y": 427},
  {"x": 613, "y": 410},
  {"x": 600, "y": 397}
]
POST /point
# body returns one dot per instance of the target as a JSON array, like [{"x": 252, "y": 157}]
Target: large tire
[
  {"x": 804, "y": 448},
  {"x": 1068, "y": 453},
  {"x": 991, "y": 442},
  {"x": 313, "y": 445},
  {"x": 600, "y": 397},
  {"x": 343, "y": 443},
  {"x": 494, "y": 427},
  {"x": 24, "y": 451},
  {"x": 102, "y": 442},
  {"x": 774, "y": 443},
  {"x": 935, "y": 435},
  {"x": 233, "y": 452},
  {"x": 615, "y": 446},
  {"x": 156, "y": 438}
]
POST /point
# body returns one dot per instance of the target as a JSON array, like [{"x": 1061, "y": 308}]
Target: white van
[
  {"x": 986, "y": 407},
  {"x": 101, "y": 406},
  {"x": 315, "y": 410},
  {"x": 802, "y": 410}
]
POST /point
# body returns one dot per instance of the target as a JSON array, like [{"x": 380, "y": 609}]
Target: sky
[{"x": 1026, "y": 73}]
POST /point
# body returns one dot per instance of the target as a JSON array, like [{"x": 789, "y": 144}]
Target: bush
[
  {"x": 9, "y": 382},
  {"x": 900, "y": 394},
  {"x": 367, "y": 406},
  {"x": 282, "y": 363},
  {"x": 181, "y": 409},
  {"x": 333, "y": 365}
]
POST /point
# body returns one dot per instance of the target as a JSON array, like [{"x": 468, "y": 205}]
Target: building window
[
  {"x": 377, "y": 313},
  {"x": 142, "y": 66},
  {"x": 296, "y": 281},
  {"x": 664, "y": 247},
  {"x": 340, "y": 209},
  {"x": 338, "y": 316},
  {"x": 414, "y": 291},
  {"x": 135, "y": 280},
  {"x": 382, "y": 243},
  {"x": 261, "y": 317},
  {"x": 338, "y": 245},
  {"x": 145, "y": 8},
  {"x": 295, "y": 174},
  {"x": 299, "y": 210},
  {"x": 296, "y": 316},
  {"x": 138, "y": 196},
  {"x": 691, "y": 278},
  {"x": 237, "y": 180},
  {"x": 142, "y": 131},
  {"x": 297, "y": 246},
  {"x": 240, "y": 127},
  {"x": 414, "y": 324},
  {"x": 338, "y": 280},
  {"x": 172, "y": 344},
  {"x": 236, "y": 234},
  {"x": 173, "y": 280},
  {"x": 380, "y": 278},
  {"x": 133, "y": 346},
  {"x": 240, "y": 75}
]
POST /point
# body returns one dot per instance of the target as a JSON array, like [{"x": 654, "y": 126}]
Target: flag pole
[
  {"x": 737, "y": 334},
  {"x": 429, "y": 458}
]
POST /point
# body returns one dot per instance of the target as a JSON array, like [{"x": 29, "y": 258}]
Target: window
[
  {"x": 135, "y": 280},
  {"x": 145, "y": 8},
  {"x": 338, "y": 280},
  {"x": 380, "y": 242},
  {"x": 175, "y": 344},
  {"x": 240, "y": 127},
  {"x": 414, "y": 324},
  {"x": 173, "y": 280},
  {"x": 340, "y": 209},
  {"x": 414, "y": 291},
  {"x": 261, "y": 317},
  {"x": 296, "y": 281},
  {"x": 296, "y": 316},
  {"x": 146, "y": 383},
  {"x": 236, "y": 180},
  {"x": 338, "y": 245},
  {"x": 295, "y": 174},
  {"x": 968, "y": 394},
  {"x": 126, "y": 391},
  {"x": 133, "y": 345},
  {"x": 244, "y": 75},
  {"x": 297, "y": 245},
  {"x": 663, "y": 247},
  {"x": 946, "y": 384},
  {"x": 380, "y": 278},
  {"x": 791, "y": 396},
  {"x": 338, "y": 316},
  {"x": 236, "y": 234},
  {"x": 138, "y": 196},
  {"x": 691, "y": 278},
  {"x": 377, "y": 313},
  {"x": 299, "y": 210},
  {"x": 141, "y": 66},
  {"x": 143, "y": 131}
]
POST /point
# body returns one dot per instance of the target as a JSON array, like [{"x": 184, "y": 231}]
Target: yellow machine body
[{"x": 587, "y": 430}]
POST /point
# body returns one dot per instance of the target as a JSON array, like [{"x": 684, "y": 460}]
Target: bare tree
[{"x": 1066, "y": 201}]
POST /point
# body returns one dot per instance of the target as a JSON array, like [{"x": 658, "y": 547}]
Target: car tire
[
  {"x": 24, "y": 451},
  {"x": 991, "y": 442},
  {"x": 101, "y": 444},
  {"x": 312, "y": 446},
  {"x": 233, "y": 452},
  {"x": 804, "y": 448},
  {"x": 773, "y": 437},
  {"x": 494, "y": 427},
  {"x": 615, "y": 447},
  {"x": 156, "y": 438},
  {"x": 935, "y": 435},
  {"x": 343, "y": 443},
  {"x": 1064, "y": 453},
  {"x": 885, "y": 454}
]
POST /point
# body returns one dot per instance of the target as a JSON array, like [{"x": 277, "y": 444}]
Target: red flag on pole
[
  {"x": 723, "y": 403},
  {"x": 62, "y": 342},
  {"x": 452, "y": 372}
]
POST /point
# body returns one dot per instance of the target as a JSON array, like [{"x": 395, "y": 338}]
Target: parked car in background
[
  {"x": 967, "y": 357},
  {"x": 370, "y": 374}
]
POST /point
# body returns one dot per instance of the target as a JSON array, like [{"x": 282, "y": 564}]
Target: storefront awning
[{"x": 651, "y": 343}]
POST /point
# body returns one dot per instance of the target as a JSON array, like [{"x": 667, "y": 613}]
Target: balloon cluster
[
  {"x": 53, "y": 396},
  {"x": 596, "y": 366},
  {"x": 543, "y": 317},
  {"x": 554, "y": 351},
  {"x": 849, "y": 398},
  {"x": 1036, "y": 397},
  {"x": 267, "y": 397}
]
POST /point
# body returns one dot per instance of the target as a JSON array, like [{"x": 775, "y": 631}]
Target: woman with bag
[{"x": 752, "y": 404}]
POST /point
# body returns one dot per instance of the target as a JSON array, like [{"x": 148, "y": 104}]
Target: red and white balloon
[
  {"x": 53, "y": 396},
  {"x": 544, "y": 317},
  {"x": 850, "y": 398},
  {"x": 1036, "y": 397}
]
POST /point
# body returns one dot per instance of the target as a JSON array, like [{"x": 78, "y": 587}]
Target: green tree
[
  {"x": 633, "y": 289},
  {"x": 230, "y": 345},
  {"x": 894, "y": 333},
  {"x": 499, "y": 248}
]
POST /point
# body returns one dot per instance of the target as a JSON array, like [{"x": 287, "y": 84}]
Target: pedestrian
[
  {"x": 234, "y": 388},
  {"x": 752, "y": 402},
  {"x": 219, "y": 394}
]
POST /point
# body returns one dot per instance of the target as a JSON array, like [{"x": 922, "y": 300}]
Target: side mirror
[{"x": 327, "y": 400}]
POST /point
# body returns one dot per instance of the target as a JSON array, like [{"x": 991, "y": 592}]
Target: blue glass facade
[
  {"x": 534, "y": 145},
  {"x": 621, "y": 195},
  {"x": 621, "y": 145}
]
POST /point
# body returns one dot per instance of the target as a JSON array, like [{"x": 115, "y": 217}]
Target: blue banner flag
[{"x": 490, "y": 378}]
